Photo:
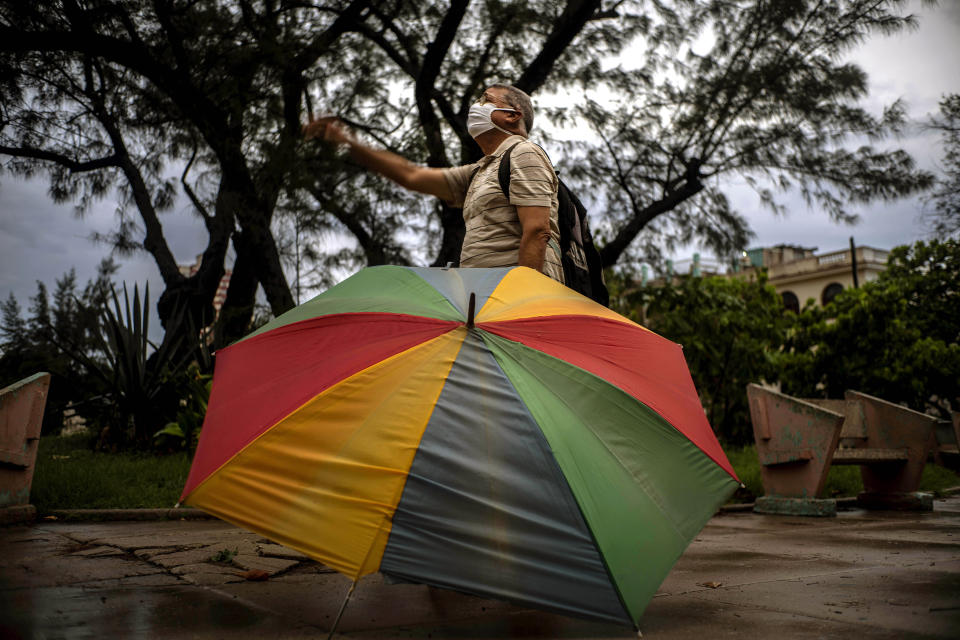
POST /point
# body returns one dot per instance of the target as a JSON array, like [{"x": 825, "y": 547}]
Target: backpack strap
[{"x": 503, "y": 172}]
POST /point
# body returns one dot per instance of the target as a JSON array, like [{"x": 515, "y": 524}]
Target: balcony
[{"x": 867, "y": 257}]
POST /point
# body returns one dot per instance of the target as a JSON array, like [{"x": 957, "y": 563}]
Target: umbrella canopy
[{"x": 549, "y": 452}]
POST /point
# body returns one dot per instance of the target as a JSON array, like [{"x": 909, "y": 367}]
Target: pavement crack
[{"x": 727, "y": 586}]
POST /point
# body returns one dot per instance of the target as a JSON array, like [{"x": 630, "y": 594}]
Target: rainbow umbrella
[{"x": 543, "y": 450}]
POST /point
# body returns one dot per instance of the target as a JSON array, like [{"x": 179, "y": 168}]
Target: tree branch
[
  {"x": 348, "y": 20},
  {"x": 429, "y": 70},
  {"x": 570, "y": 23},
  {"x": 198, "y": 205},
  {"x": 375, "y": 251},
  {"x": 480, "y": 69},
  {"x": 612, "y": 251},
  {"x": 455, "y": 120},
  {"x": 75, "y": 166},
  {"x": 127, "y": 55},
  {"x": 406, "y": 65},
  {"x": 154, "y": 241},
  {"x": 412, "y": 52}
]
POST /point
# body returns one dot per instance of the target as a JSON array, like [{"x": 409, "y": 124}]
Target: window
[
  {"x": 830, "y": 292},
  {"x": 790, "y": 301}
]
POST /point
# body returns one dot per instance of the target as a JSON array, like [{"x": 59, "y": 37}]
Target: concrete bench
[
  {"x": 947, "y": 452},
  {"x": 21, "y": 416},
  {"x": 798, "y": 440}
]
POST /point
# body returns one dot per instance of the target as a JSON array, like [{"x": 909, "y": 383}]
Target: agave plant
[{"x": 137, "y": 371}]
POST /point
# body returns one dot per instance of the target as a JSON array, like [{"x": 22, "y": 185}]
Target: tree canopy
[
  {"x": 207, "y": 99},
  {"x": 897, "y": 337}
]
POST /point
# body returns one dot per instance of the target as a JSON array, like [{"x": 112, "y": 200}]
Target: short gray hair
[{"x": 519, "y": 100}]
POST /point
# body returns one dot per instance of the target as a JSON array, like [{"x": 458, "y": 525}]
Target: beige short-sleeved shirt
[{"x": 493, "y": 227}]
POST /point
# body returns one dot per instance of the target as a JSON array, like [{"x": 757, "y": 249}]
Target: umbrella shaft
[{"x": 343, "y": 608}]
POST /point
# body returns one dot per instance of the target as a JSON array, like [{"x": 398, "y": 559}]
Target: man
[{"x": 500, "y": 231}]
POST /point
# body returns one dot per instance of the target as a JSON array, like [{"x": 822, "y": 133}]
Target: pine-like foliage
[
  {"x": 945, "y": 198},
  {"x": 207, "y": 99}
]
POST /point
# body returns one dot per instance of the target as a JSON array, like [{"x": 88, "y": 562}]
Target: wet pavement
[{"x": 872, "y": 574}]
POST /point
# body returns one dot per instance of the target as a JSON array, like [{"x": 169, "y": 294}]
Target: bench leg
[
  {"x": 795, "y": 444},
  {"x": 890, "y": 426},
  {"x": 947, "y": 452}
]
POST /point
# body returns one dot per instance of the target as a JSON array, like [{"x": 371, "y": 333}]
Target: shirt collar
[{"x": 506, "y": 144}]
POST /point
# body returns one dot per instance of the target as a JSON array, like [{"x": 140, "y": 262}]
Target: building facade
[{"x": 799, "y": 275}]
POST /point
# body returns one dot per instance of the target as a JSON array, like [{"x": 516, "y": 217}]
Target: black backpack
[{"x": 582, "y": 269}]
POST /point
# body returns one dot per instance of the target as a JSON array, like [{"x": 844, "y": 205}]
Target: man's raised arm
[{"x": 388, "y": 164}]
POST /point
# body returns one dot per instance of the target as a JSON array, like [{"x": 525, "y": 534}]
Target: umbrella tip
[{"x": 471, "y": 309}]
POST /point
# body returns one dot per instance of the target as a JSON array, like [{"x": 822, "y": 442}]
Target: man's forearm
[
  {"x": 427, "y": 180},
  {"x": 386, "y": 163},
  {"x": 533, "y": 250},
  {"x": 534, "y": 235}
]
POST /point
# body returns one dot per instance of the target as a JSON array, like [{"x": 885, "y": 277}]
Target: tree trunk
[
  {"x": 237, "y": 310},
  {"x": 266, "y": 264},
  {"x": 240, "y": 195},
  {"x": 195, "y": 294},
  {"x": 451, "y": 218}
]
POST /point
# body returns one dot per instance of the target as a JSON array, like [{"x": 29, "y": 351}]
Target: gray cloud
[
  {"x": 950, "y": 12},
  {"x": 41, "y": 240}
]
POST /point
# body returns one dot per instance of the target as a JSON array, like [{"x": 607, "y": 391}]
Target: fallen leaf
[
  {"x": 711, "y": 585},
  {"x": 254, "y": 575}
]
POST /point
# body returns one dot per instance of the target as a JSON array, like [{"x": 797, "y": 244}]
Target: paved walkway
[{"x": 861, "y": 575}]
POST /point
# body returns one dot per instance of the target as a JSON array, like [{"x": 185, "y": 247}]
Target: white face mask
[{"x": 479, "y": 120}]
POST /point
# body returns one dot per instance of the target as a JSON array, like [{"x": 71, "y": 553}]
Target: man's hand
[{"x": 329, "y": 129}]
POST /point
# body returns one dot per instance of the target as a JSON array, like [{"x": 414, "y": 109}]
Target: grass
[
  {"x": 842, "y": 480},
  {"x": 70, "y": 476},
  {"x": 224, "y": 556}
]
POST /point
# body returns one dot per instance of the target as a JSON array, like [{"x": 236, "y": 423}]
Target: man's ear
[{"x": 515, "y": 118}]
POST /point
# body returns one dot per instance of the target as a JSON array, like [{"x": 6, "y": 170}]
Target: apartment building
[{"x": 798, "y": 274}]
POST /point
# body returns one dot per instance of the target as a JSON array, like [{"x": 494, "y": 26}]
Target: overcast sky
[{"x": 40, "y": 240}]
